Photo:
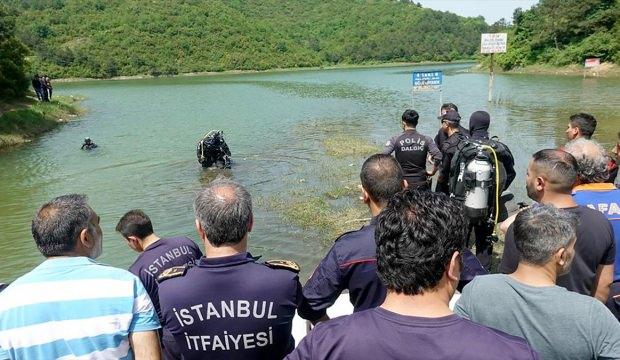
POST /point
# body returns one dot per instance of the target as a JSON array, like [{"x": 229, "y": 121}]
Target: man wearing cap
[
  {"x": 450, "y": 125},
  {"x": 441, "y": 136}
]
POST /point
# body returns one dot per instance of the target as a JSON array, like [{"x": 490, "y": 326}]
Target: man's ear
[
  {"x": 134, "y": 243},
  {"x": 86, "y": 240},
  {"x": 405, "y": 184},
  {"x": 561, "y": 256},
  {"x": 200, "y": 230},
  {"x": 251, "y": 224},
  {"x": 540, "y": 183},
  {"x": 454, "y": 267},
  {"x": 365, "y": 196}
]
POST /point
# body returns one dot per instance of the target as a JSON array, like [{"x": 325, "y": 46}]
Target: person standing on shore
[
  {"x": 48, "y": 87},
  {"x": 451, "y": 125},
  {"x": 36, "y": 85},
  {"x": 411, "y": 150}
]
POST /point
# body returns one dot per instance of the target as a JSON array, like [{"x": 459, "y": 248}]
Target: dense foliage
[
  {"x": 562, "y": 32},
  {"x": 105, "y": 38},
  {"x": 13, "y": 66}
]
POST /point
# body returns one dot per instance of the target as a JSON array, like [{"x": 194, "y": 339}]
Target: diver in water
[
  {"x": 212, "y": 150},
  {"x": 88, "y": 144}
]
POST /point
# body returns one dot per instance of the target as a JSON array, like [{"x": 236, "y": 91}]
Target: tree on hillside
[
  {"x": 562, "y": 32},
  {"x": 13, "y": 66}
]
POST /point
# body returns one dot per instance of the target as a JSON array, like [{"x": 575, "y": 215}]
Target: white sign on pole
[
  {"x": 493, "y": 43},
  {"x": 592, "y": 62}
]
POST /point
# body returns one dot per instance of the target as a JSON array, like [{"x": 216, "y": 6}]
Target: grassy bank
[
  {"x": 605, "y": 70},
  {"x": 23, "y": 120}
]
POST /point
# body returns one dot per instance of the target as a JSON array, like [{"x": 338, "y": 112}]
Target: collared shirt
[
  {"x": 73, "y": 307},
  {"x": 231, "y": 308},
  {"x": 606, "y": 199},
  {"x": 381, "y": 334},
  {"x": 410, "y": 150},
  {"x": 351, "y": 264}
]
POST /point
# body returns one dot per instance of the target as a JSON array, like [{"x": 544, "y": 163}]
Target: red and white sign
[
  {"x": 493, "y": 43},
  {"x": 592, "y": 62}
]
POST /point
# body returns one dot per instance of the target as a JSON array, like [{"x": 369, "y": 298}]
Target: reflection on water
[{"x": 275, "y": 125}]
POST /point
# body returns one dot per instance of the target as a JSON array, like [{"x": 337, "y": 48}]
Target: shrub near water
[{"x": 26, "y": 121}]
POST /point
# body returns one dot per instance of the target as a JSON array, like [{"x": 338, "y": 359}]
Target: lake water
[{"x": 275, "y": 125}]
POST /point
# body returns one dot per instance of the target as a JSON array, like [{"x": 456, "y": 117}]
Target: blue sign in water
[{"x": 427, "y": 80}]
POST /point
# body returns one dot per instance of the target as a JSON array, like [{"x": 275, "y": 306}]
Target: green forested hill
[
  {"x": 104, "y": 38},
  {"x": 562, "y": 32}
]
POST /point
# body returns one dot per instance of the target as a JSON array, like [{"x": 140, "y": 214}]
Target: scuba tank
[{"x": 479, "y": 172}]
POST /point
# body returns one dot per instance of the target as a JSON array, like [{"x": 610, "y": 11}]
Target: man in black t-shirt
[
  {"x": 156, "y": 255},
  {"x": 551, "y": 176},
  {"x": 441, "y": 136},
  {"x": 411, "y": 150}
]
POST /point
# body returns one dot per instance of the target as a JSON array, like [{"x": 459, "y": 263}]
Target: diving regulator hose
[{"x": 496, "y": 187}]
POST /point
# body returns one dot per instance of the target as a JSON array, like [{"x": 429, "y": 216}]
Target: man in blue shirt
[
  {"x": 71, "y": 306},
  {"x": 594, "y": 192}
]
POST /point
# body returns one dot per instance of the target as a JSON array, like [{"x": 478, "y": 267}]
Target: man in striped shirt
[{"x": 71, "y": 307}]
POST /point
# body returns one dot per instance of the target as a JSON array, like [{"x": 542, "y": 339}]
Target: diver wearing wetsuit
[{"x": 212, "y": 150}]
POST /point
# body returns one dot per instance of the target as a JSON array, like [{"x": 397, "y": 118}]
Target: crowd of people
[
  {"x": 557, "y": 295},
  {"x": 42, "y": 85}
]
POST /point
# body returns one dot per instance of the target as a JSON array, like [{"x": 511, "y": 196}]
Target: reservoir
[{"x": 279, "y": 127}]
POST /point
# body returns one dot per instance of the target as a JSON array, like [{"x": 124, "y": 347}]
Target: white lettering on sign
[{"x": 493, "y": 43}]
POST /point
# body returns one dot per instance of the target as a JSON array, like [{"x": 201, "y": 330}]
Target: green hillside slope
[
  {"x": 562, "y": 32},
  {"x": 105, "y": 38}
]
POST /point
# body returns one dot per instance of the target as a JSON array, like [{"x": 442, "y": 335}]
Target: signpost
[
  {"x": 425, "y": 81},
  {"x": 493, "y": 44}
]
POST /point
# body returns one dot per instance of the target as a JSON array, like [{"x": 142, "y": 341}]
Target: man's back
[
  {"x": 231, "y": 308},
  {"x": 595, "y": 246},
  {"x": 73, "y": 307},
  {"x": 411, "y": 149},
  {"x": 162, "y": 255},
  {"x": 381, "y": 334},
  {"x": 557, "y": 323},
  {"x": 350, "y": 264},
  {"x": 606, "y": 199}
]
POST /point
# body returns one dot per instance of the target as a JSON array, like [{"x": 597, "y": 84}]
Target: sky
[{"x": 492, "y": 10}]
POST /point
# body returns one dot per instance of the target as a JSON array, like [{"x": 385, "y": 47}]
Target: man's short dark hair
[
  {"x": 411, "y": 117},
  {"x": 382, "y": 177},
  {"x": 224, "y": 210},
  {"x": 558, "y": 167},
  {"x": 58, "y": 223},
  {"x": 417, "y": 233},
  {"x": 586, "y": 124},
  {"x": 135, "y": 223},
  {"x": 449, "y": 106},
  {"x": 541, "y": 230}
]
